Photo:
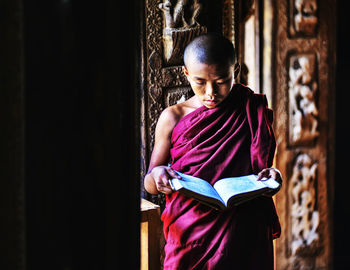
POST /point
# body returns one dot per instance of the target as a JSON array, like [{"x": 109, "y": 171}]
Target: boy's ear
[{"x": 184, "y": 70}]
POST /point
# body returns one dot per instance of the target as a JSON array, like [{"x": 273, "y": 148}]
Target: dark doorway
[{"x": 81, "y": 134}]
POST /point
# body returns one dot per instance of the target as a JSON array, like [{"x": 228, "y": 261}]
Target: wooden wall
[{"x": 303, "y": 102}]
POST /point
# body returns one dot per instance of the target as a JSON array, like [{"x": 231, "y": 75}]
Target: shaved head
[{"x": 210, "y": 49}]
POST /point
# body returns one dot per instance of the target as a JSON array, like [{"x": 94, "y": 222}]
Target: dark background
[
  {"x": 81, "y": 122},
  {"x": 342, "y": 180}
]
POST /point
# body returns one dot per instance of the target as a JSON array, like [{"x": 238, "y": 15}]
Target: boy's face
[{"x": 210, "y": 83}]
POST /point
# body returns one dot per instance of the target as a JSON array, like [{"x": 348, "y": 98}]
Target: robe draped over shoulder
[{"x": 233, "y": 139}]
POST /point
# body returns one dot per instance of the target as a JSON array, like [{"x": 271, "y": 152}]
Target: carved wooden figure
[
  {"x": 302, "y": 99},
  {"x": 304, "y": 213},
  {"x": 175, "y": 15},
  {"x": 304, "y": 17},
  {"x": 180, "y": 27}
]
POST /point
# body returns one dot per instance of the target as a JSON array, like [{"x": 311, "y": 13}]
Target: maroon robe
[{"x": 233, "y": 139}]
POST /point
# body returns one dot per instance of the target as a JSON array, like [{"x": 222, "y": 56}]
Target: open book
[{"x": 225, "y": 192}]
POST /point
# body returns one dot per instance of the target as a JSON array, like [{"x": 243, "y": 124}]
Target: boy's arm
[{"x": 157, "y": 178}]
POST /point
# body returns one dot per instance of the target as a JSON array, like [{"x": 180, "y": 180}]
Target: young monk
[{"x": 224, "y": 130}]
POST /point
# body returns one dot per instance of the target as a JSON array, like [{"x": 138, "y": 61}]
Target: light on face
[{"x": 210, "y": 89}]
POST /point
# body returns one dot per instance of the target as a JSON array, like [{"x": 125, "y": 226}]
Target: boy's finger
[
  {"x": 165, "y": 180},
  {"x": 259, "y": 177},
  {"x": 173, "y": 174},
  {"x": 164, "y": 189},
  {"x": 167, "y": 191},
  {"x": 263, "y": 173}
]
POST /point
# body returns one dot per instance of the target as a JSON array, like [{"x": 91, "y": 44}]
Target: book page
[
  {"x": 229, "y": 187},
  {"x": 196, "y": 185}
]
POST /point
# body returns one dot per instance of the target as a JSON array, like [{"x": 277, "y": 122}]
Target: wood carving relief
[
  {"x": 177, "y": 95},
  {"x": 173, "y": 76},
  {"x": 229, "y": 20},
  {"x": 304, "y": 19},
  {"x": 303, "y": 111},
  {"x": 154, "y": 57},
  {"x": 304, "y": 61},
  {"x": 304, "y": 212},
  {"x": 175, "y": 15},
  {"x": 180, "y": 27}
]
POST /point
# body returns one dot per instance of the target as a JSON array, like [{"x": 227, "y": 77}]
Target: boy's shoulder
[
  {"x": 171, "y": 115},
  {"x": 251, "y": 96},
  {"x": 175, "y": 112}
]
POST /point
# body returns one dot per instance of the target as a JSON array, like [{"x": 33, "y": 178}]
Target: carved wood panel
[
  {"x": 302, "y": 99},
  {"x": 169, "y": 26},
  {"x": 303, "y": 107}
]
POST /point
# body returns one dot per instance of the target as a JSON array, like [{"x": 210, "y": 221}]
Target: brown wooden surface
[
  {"x": 304, "y": 134},
  {"x": 150, "y": 235}
]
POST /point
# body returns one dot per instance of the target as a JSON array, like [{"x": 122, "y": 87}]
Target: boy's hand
[
  {"x": 271, "y": 173},
  {"x": 161, "y": 176}
]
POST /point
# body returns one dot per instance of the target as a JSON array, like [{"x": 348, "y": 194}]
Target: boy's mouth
[{"x": 211, "y": 101}]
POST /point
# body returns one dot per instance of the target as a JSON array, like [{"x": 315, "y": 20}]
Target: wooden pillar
[{"x": 303, "y": 103}]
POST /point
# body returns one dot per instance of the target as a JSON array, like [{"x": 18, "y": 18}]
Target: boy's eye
[
  {"x": 200, "y": 82},
  {"x": 222, "y": 81}
]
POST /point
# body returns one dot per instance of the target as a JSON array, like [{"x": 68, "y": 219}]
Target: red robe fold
[{"x": 234, "y": 139}]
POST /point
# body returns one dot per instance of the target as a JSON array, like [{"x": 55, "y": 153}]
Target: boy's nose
[{"x": 210, "y": 90}]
